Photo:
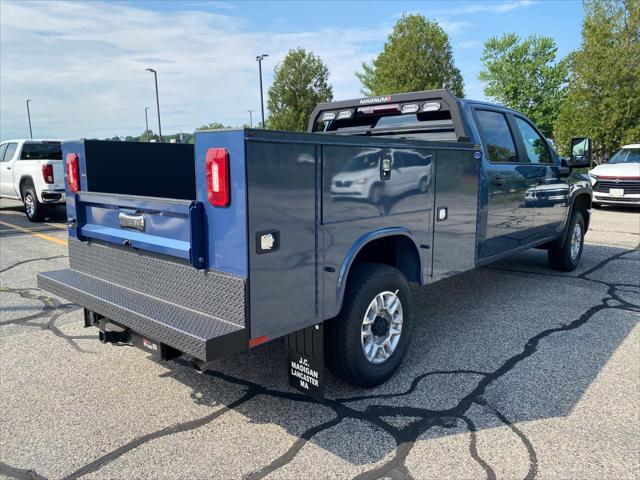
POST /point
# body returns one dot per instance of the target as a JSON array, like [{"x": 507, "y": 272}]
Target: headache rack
[{"x": 435, "y": 114}]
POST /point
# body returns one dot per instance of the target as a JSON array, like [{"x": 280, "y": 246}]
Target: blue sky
[{"x": 83, "y": 63}]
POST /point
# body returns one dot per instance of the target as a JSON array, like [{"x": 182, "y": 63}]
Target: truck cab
[{"x": 526, "y": 189}]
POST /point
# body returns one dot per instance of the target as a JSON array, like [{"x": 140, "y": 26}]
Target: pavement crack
[
  {"x": 39, "y": 259},
  {"x": 19, "y": 473},
  {"x": 166, "y": 431},
  {"x": 473, "y": 448}
]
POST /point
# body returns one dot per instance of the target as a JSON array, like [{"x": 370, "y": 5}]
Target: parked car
[
  {"x": 360, "y": 176},
  {"x": 32, "y": 171},
  {"x": 617, "y": 182},
  {"x": 210, "y": 249}
]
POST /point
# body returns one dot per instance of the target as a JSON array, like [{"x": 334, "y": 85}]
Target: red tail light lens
[
  {"x": 73, "y": 176},
  {"x": 217, "y": 166},
  {"x": 47, "y": 173}
]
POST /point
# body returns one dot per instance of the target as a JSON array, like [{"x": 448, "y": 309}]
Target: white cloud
[{"x": 83, "y": 66}]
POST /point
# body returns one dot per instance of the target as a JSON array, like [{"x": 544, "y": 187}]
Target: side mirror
[{"x": 580, "y": 152}]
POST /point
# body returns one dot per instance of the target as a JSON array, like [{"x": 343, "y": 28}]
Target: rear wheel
[
  {"x": 567, "y": 257},
  {"x": 33, "y": 208},
  {"x": 366, "y": 342}
]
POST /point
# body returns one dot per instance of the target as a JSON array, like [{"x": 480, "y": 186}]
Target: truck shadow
[{"x": 509, "y": 343}]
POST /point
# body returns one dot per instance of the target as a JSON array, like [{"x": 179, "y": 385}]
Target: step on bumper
[{"x": 194, "y": 333}]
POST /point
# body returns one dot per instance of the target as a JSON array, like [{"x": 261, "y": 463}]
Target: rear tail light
[
  {"x": 73, "y": 177},
  {"x": 47, "y": 173},
  {"x": 217, "y": 166}
]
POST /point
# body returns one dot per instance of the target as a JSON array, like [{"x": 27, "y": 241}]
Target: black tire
[
  {"x": 34, "y": 210},
  {"x": 375, "y": 196},
  {"x": 343, "y": 348},
  {"x": 596, "y": 205},
  {"x": 561, "y": 258}
]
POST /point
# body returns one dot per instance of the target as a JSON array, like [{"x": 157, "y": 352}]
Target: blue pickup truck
[{"x": 251, "y": 235}]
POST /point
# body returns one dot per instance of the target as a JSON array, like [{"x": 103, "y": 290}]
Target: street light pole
[
  {"x": 259, "y": 58},
  {"x": 29, "y": 117},
  {"x": 250, "y": 118},
  {"x": 146, "y": 122},
  {"x": 155, "y": 76}
]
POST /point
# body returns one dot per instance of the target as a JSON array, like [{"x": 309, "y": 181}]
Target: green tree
[
  {"x": 417, "y": 56},
  {"x": 603, "y": 96},
  {"x": 212, "y": 126},
  {"x": 523, "y": 74},
  {"x": 300, "y": 82}
]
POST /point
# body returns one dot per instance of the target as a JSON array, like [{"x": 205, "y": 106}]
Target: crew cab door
[
  {"x": 508, "y": 218},
  {"x": 7, "y": 154},
  {"x": 547, "y": 191}
]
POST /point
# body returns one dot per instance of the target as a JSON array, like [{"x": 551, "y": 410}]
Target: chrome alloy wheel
[
  {"x": 29, "y": 205},
  {"x": 381, "y": 327},
  {"x": 576, "y": 241}
]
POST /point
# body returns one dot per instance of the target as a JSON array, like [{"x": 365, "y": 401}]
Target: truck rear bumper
[{"x": 201, "y": 314}]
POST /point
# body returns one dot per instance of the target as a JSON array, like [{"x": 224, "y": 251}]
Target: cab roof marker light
[
  {"x": 431, "y": 106},
  {"x": 373, "y": 109},
  {"x": 410, "y": 108},
  {"x": 344, "y": 114},
  {"x": 327, "y": 116}
]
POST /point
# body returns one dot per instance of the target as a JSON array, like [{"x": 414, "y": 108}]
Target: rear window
[{"x": 41, "y": 151}]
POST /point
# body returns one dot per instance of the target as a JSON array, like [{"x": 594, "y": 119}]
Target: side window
[
  {"x": 3, "y": 147},
  {"x": 497, "y": 136},
  {"x": 10, "y": 151},
  {"x": 534, "y": 144}
]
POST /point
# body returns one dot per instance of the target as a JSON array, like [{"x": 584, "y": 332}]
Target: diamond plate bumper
[{"x": 202, "y": 314}]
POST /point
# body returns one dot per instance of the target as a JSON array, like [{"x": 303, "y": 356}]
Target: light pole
[
  {"x": 259, "y": 58},
  {"x": 146, "y": 122},
  {"x": 29, "y": 117},
  {"x": 250, "y": 118},
  {"x": 155, "y": 76}
]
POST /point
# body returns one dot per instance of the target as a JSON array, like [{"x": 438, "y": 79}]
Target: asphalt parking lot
[{"x": 514, "y": 371}]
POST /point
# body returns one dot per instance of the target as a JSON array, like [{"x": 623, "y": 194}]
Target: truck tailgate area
[{"x": 201, "y": 313}]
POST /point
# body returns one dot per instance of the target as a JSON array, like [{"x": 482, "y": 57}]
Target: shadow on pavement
[{"x": 489, "y": 348}]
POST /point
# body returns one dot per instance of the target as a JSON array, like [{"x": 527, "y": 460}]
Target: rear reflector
[
  {"x": 73, "y": 176},
  {"x": 254, "y": 342},
  {"x": 47, "y": 173},
  {"x": 217, "y": 166}
]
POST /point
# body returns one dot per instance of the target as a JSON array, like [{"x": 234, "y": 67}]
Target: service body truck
[{"x": 251, "y": 235}]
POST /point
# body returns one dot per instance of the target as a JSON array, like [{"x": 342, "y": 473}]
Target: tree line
[{"x": 594, "y": 91}]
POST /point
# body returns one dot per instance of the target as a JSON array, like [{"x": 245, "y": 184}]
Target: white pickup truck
[{"x": 32, "y": 171}]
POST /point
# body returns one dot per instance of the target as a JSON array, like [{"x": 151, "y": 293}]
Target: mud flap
[{"x": 306, "y": 361}]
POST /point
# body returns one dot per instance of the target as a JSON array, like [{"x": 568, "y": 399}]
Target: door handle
[
  {"x": 8, "y": 168},
  {"x": 497, "y": 181}
]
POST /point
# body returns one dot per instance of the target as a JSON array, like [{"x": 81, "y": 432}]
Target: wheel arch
[
  {"x": 25, "y": 180},
  {"x": 375, "y": 247}
]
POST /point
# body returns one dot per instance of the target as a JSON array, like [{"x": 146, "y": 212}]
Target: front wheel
[
  {"x": 567, "y": 257},
  {"x": 366, "y": 342}
]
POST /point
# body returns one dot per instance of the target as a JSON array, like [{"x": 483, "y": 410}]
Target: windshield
[
  {"x": 41, "y": 151},
  {"x": 626, "y": 155}
]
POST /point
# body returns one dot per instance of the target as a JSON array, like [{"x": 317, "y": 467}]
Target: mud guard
[{"x": 306, "y": 360}]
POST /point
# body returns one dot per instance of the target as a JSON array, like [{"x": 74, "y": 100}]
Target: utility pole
[
  {"x": 259, "y": 58},
  {"x": 250, "y": 118},
  {"x": 155, "y": 76},
  {"x": 146, "y": 122},
  {"x": 29, "y": 117}
]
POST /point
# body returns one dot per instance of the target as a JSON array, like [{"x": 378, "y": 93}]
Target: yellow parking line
[
  {"x": 49, "y": 238},
  {"x": 56, "y": 225}
]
